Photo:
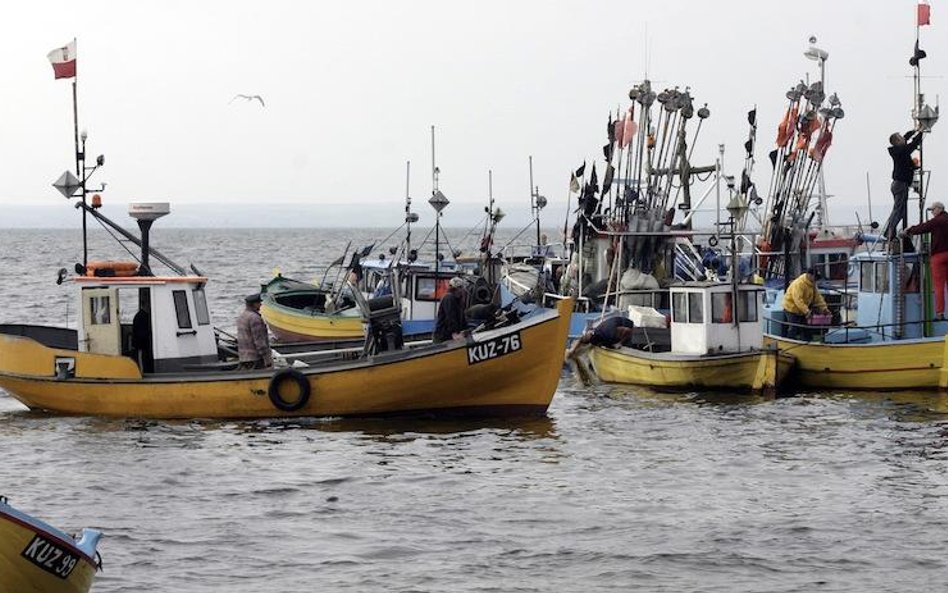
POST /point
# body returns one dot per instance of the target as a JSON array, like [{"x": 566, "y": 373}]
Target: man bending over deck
[
  {"x": 801, "y": 298},
  {"x": 609, "y": 332}
]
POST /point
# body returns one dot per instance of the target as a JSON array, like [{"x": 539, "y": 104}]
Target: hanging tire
[{"x": 288, "y": 376}]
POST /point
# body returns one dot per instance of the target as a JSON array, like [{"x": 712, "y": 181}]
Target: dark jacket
[
  {"x": 450, "y": 318},
  {"x": 938, "y": 227},
  {"x": 903, "y": 169},
  {"x": 606, "y": 333}
]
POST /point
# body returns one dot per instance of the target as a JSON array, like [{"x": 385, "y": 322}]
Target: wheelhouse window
[
  {"x": 181, "y": 308},
  {"x": 695, "y": 308},
  {"x": 687, "y": 307},
  {"x": 427, "y": 289},
  {"x": 100, "y": 310},
  {"x": 722, "y": 310},
  {"x": 200, "y": 306},
  {"x": 882, "y": 277},
  {"x": 747, "y": 306},
  {"x": 680, "y": 307},
  {"x": 865, "y": 276}
]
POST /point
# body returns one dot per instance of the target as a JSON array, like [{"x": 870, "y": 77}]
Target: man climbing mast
[
  {"x": 904, "y": 167},
  {"x": 903, "y": 173}
]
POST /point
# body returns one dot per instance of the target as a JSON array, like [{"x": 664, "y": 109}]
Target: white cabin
[
  {"x": 160, "y": 322},
  {"x": 705, "y": 321}
]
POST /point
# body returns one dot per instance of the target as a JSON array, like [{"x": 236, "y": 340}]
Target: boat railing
[
  {"x": 584, "y": 304},
  {"x": 885, "y": 331}
]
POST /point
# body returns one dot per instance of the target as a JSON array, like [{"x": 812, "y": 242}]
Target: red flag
[
  {"x": 63, "y": 60},
  {"x": 924, "y": 14},
  {"x": 630, "y": 129}
]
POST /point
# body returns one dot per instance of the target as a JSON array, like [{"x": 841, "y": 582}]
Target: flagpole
[
  {"x": 434, "y": 184},
  {"x": 80, "y": 161},
  {"x": 918, "y": 112}
]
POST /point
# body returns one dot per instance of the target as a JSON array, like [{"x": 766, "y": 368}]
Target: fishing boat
[
  {"x": 895, "y": 342},
  {"x": 326, "y": 312},
  {"x": 714, "y": 345},
  {"x": 145, "y": 347},
  {"x": 297, "y": 311},
  {"x": 37, "y": 557}
]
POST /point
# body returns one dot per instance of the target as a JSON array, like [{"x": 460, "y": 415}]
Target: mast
[
  {"x": 924, "y": 115},
  {"x": 408, "y": 215},
  {"x": 80, "y": 158},
  {"x": 439, "y": 202},
  {"x": 537, "y": 203},
  {"x": 434, "y": 193}
]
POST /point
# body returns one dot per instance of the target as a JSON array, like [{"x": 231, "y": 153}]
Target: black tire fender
[{"x": 278, "y": 379}]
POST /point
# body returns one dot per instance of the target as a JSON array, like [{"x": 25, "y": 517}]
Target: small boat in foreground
[
  {"x": 36, "y": 557},
  {"x": 714, "y": 345}
]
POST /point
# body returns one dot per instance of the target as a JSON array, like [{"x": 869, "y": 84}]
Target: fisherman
[
  {"x": 801, "y": 298},
  {"x": 253, "y": 341},
  {"x": 141, "y": 337},
  {"x": 937, "y": 225},
  {"x": 903, "y": 172},
  {"x": 451, "y": 321},
  {"x": 606, "y": 333}
]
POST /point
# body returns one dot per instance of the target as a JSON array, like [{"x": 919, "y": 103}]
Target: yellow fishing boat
[
  {"x": 893, "y": 343},
  {"x": 38, "y": 558},
  {"x": 714, "y": 344},
  {"x": 892, "y": 365},
  {"x": 760, "y": 370},
  {"x": 180, "y": 369}
]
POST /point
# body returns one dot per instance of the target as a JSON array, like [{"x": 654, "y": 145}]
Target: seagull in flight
[{"x": 248, "y": 98}]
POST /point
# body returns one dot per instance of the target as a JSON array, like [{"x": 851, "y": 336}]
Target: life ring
[
  {"x": 281, "y": 377},
  {"x": 111, "y": 268}
]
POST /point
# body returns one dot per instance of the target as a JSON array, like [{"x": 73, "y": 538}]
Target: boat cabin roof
[
  {"x": 385, "y": 264},
  {"x": 138, "y": 280}
]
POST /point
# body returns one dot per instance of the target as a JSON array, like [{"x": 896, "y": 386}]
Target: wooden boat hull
[
  {"x": 762, "y": 370},
  {"x": 456, "y": 377},
  {"x": 36, "y": 558},
  {"x": 915, "y": 364},
  {"x": 290, "y": 325}
]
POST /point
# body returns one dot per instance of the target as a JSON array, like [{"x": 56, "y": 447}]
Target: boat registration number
[
  {"x": 50, "y": 557},
  {"x": 494, "y": 348}
]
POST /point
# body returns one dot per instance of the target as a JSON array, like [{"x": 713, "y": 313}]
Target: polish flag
[
  {"x": 63, "y": 60},
  {"x": 924, "y": 14}
]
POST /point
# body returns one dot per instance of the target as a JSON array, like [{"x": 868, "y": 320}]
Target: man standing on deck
[
  {"x": 253, "y": 341},
  {"x": 801, "y": 298},
  {"x": 937, "y": 225},
  {"x": 903, "y": 172},
  {"x": 451, "y": 322}
]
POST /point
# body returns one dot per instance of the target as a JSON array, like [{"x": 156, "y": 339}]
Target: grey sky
[{"x": 352, "y": 89}]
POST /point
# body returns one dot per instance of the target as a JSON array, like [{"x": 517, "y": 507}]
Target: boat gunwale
[
  {"x": 906, "y": 342},
  {"x": 675, "y": 357}
]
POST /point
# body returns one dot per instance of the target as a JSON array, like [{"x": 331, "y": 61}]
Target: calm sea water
[{"x": 617, "y": 489}]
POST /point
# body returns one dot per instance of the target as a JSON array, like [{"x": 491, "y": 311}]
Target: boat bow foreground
[{"x": 36, "y": 557}]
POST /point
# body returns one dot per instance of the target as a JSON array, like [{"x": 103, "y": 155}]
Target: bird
[{"x": 248, "y": 98}]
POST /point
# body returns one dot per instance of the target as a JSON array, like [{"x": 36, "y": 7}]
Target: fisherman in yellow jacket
[{"x": 801, "y": 298}]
